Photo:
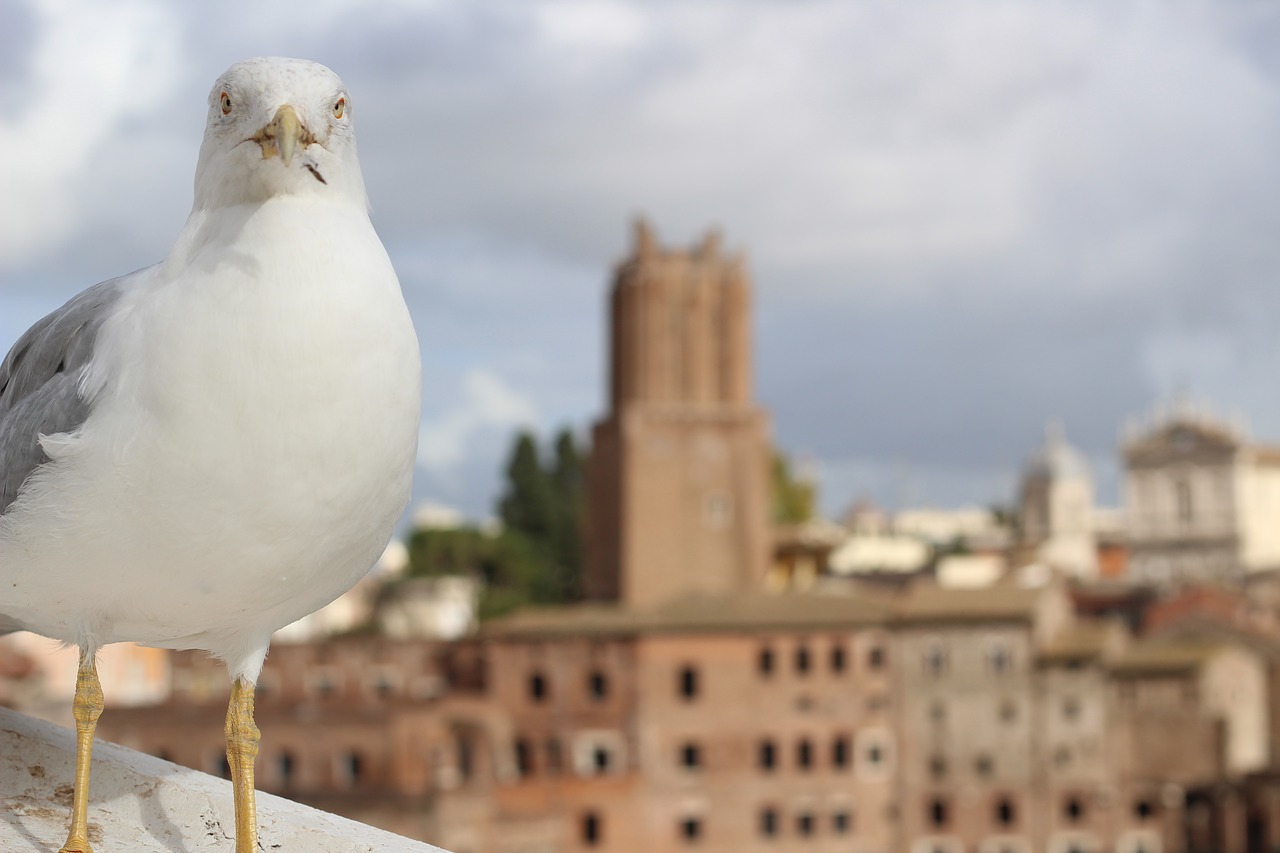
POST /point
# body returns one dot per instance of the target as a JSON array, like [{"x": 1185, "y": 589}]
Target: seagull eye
[
  {"x": 226, "y": 104},
  {"x": 340, "y": 108}
]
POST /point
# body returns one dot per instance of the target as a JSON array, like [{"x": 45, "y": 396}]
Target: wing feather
[{"x": 40, "y": 379}]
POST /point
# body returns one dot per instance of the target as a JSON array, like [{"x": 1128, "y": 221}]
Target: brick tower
[{"x": 678, "y": 483}]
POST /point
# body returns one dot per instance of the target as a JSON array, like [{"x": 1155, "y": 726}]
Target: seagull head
[{"x": 278, "y": 127}]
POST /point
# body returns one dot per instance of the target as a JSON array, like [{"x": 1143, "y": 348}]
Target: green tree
[
  {"x": 794, "y": 496},
  {"x": 528, "y": 504},
  {"x": 568, "y": 478}
]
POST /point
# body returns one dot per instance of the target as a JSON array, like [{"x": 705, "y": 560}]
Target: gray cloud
[{"x": 964, "y": 219}]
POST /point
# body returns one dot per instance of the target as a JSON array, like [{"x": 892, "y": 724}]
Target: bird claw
[{"x": 76, "y": 845}]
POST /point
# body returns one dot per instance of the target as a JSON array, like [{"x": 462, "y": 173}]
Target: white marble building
[
  {"x": 1202, "y": 500},
  {"x": 1056, "y": 506}
]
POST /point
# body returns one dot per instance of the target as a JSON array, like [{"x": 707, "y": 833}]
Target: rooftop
[
  {"x": 698, "y": 614},
  {"x": 999, "y": 603},
  {"x": 1165, "y": 657}
]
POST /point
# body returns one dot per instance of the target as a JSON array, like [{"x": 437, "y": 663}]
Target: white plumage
[{"x": 247, "y": 411}]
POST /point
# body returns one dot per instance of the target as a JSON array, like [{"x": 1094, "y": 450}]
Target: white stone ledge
[{"x": 141, "y": 804}]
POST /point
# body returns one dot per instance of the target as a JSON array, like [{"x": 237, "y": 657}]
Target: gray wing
[{"x": 39, "y": 383}]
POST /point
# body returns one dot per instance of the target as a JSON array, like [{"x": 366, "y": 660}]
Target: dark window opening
[
  {"x": 598, "y": 686},
  {"x": 688, "y": 682},
  {"x": 935, "y": 659},
  {"x": 285, "y": 765},
  {"x": 804, "y": 754},
  {"x": 875, "y": 658},
  {"x": 353, "y": 766},
  {"x": 938, "y": 812},
  {"x": 1144, "y": 809},
  {"x": 466, "y": 758},
  {"x": 838, "y": 660},
  {"x": 690, "y": 756},
  {"x": 691, "y": 829},
  {"x": 840, "y": 752},
  {"x": 875, "y": 754},
  {"x": 600, "y": 759},
  {"x": 802, "y": 660},
  {"x": 591, "y": 833},
  {"x": 1006, "y": 813},
  {"x": 524, "y": 757},
  {"x": 765, "y": 662},
  {"x": 768, "y": 755},
  {"x": 538, "y": 687},
  {"x": 841, "y": 822},
  {"x": 769, "y": 822},
  {"x": 1074, "y": 809},
  {"x": 804, "y": 824}
]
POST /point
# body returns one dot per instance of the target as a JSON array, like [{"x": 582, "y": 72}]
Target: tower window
[
  {"x": 719, "y": 510},
  {"x": 841, "y": 822},
  {"x": 1006, "y": 813},
  {"x": 875, "y": 657},
  {"x": 804, "y": 824},
  {"x": 802, "y": 660},
  {"x": 769, "y": 821},
  {"x": 938, "y": 812},
  {"x": 691, "y": 829},
  {"x": 1074, "y": 809},
  {"x": 838, "y": 662},
  {"x": 538, "y": 688},
  {"x": 591, "y": 829},
  {"x": 690, "y": 756},
  {"x": 598, "y": 686},
  {"x": 688, "y": 683}
]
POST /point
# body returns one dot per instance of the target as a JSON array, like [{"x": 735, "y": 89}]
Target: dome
[{"x": 1056, "y": 459}]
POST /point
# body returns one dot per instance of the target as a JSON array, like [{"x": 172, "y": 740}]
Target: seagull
[{"x": 201, "y": 452}]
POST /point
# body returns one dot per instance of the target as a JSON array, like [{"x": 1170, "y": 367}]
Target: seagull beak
[{"x": 282, "y": 135}]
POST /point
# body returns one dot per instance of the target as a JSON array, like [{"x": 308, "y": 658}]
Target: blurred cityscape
[{"x": 677, "y": 652}]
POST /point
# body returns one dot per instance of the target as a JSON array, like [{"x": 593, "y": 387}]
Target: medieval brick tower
[{"x": 678, "y": 484}]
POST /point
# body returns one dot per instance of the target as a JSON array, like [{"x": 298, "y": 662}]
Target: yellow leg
[
  {"x": 242, "y": 749},
  {"x": 86, "y": 709}
]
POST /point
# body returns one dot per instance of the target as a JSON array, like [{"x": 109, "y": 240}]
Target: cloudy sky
[{"x": 964, "y": 218}]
